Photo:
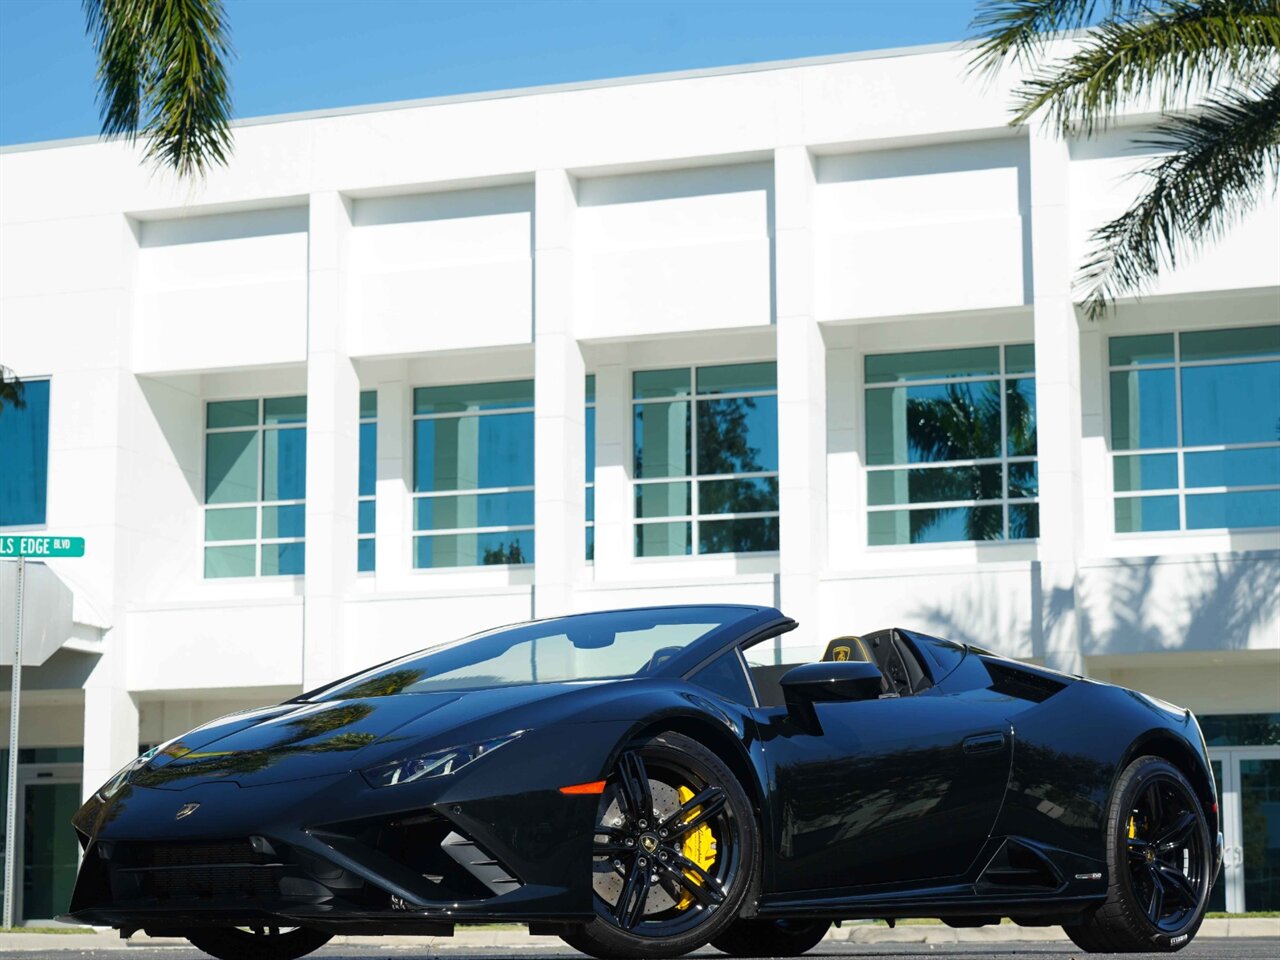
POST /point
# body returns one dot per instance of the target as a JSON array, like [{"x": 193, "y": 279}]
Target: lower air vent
[
  {"x": 1017, "y": 866},
  {"x": 479, "y": 864}
]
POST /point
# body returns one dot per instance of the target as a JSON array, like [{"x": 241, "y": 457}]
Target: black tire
[
  {"x": 1160, "y": 865},
  {"x": 771, "y": 938},
  {"x": 258, "y": 943},
  {"x": 640, "y": 836}
]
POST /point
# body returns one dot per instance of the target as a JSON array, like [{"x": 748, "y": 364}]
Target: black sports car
[{"x": 643, "y": 782}]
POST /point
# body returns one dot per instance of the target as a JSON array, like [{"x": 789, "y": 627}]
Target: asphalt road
[{"x": 1255, "y": 948}]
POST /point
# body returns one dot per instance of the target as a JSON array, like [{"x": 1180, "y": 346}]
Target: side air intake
[{"x": 1018, "y": 867}]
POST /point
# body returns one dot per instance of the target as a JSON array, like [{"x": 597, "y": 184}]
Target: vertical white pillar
[
  {"x": 111, "y": 726},
  {"x": 333, "y": 442},
  {"x": 802, "y": 396},
  {"x": 559, "y": 398},
  {"x": 614, "y": 534},
  {"x": 393, "y": 547},
  {"x": 1055, "y": 625},
  {"x": 111, "y": 730}
]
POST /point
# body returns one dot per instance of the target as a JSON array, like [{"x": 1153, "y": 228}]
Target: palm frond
[
  {"x": 162, "y": 75},
  {"x": 1017, "y": 29},
  {"x": 1171, "y": 54},
  {"x": 1218, "y": 162},
  {"x": 11, "y": 389}
]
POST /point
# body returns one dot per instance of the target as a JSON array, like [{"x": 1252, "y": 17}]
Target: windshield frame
[{"x": 735, "y": 623}]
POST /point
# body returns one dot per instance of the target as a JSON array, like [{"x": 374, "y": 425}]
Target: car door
[{"x": 896, "y": 790}]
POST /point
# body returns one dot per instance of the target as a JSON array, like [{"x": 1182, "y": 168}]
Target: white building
[{"x": 834, "y": 270}]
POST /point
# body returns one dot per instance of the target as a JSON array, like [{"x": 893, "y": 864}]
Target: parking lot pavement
[{"x": 1251, "y": 948}]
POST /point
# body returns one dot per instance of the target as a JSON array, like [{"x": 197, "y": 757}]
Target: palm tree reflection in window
[{"x": 962, "y": 422}]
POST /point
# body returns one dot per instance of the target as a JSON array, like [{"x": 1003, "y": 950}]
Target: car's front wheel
[
  {"x": 258, "y": 943},
  {"x": 1161, "y": 865},
  {"x": 675, "y": 848}
]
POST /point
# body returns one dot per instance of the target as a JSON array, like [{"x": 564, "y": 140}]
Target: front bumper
[{"x": 332, "y": 853}]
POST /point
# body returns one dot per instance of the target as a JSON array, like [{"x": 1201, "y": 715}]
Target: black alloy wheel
[
  {"x": 1167, "y": 866},
  {"x": 258, "y": 943},
  {"x": 674, "y": 850},
  {"x": 1161, "y": 864}
]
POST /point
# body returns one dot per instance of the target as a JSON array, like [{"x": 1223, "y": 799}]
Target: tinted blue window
[
  {"x": 368, "y": 458},
  {"x": 738, "y": 436},
  {"x": 284, "y": 464},
  {"x": 1152, "y": 471},
  {"x": 24, "y": 447},
  {"x": 1230, "y": 403},
  {"x": 366, "y": 515},
  {"x": 473, "y": 452},
  {"x": 1146, "y": 514},
  {"x": 1143, "y": 410},
  {"x": 480, "y": 510},
  {"x": 473, "y": 549},
  {"x": 1246, "y": 508},
  {"x": 591, "y": 444},
  {"x": 365, "y": 552},
  {"x": 1253, "y": 467}
]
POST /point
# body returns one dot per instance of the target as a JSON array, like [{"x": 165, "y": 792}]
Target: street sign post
[{"x": 21, "y": 546}]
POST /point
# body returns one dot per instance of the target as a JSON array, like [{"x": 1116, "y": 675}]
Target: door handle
[{"x": 983, "y": 743}]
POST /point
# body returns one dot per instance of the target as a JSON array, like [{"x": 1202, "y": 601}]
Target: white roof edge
[{"x": 568, "y": 87}]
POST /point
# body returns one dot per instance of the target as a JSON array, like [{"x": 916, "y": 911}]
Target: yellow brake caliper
[
  {"x": 1133, "y": 827},
  {"x": 699, "y": 847}
]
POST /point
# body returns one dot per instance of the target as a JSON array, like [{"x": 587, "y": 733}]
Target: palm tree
[
  {"x": 162, "y": 74},
  {"x": 11, "y": 389},
  {"x": 1213, "y": 69}
]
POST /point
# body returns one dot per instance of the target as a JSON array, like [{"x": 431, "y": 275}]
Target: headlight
[
  {"x": 112, "y": 786},
  {"x": 438, "y": 763}
]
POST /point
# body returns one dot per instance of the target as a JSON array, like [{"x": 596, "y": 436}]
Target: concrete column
[
  {"x": 393, "y": 546},
  {"x": 110, "y": 730},
  {"x": 1055, "y": 618},
  {"x": 559, "y": 396},
  {"x": 614, "y": 533},
  {"x": 333, "y": 442},
  {"x": 802, "y": 396}
]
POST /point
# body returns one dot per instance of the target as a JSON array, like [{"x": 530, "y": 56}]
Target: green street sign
[{"x": 29, "y": 546}]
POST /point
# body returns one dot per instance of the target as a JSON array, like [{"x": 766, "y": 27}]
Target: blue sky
[{"x": 309, "y": 54}]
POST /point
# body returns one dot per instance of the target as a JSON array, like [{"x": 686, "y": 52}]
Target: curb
[{"x": 514, "y": 941}]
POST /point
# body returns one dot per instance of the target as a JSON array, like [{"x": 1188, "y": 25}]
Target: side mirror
[{"x": 828, "y": 682}]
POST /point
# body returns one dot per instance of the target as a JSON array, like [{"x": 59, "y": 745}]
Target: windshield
[{"x": 591, "y": 646}]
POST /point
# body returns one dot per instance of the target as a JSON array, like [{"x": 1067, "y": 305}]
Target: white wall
[
  {"x": 674, "y": 251},
  {"x": 442, "y": 271},
  {"x": 222, "y": 290},
  {"x": 922, "y": 229}
]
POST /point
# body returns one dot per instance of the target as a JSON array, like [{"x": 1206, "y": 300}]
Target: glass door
[
  {"x": 50, "y": 852},
  {"x": 1249, "y": 788}
]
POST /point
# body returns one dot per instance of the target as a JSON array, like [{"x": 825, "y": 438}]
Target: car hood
[{"x": 299, "y": 740}]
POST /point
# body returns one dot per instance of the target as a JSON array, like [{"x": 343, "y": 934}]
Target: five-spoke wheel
[
  {"x": 674, "y": 849},
  {"x": 1161, "y": 862}
]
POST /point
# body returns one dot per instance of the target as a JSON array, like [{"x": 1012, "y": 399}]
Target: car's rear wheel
[
  {"x": 771, "y": 938},
  {"x": 258, "y": 943},
  {"x": 1161, "y": 865},
  {"x": 675, "y": 848}
]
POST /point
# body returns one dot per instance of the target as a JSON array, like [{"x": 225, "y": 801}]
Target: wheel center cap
[
  {"x": 648, "y": 842},
  {"x": 1150, "y": 855}
]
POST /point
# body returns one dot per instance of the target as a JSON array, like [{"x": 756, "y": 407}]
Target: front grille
[
  {"x": 196, "y": 871},
  {"x": 204, "y": 852}
]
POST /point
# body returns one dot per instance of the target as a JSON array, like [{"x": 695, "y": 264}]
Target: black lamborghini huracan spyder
[{"x": 629, "y": 781}]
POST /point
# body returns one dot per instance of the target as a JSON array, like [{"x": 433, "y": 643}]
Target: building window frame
[
  {"x": 1004, "y": 460},
  {"x": 695, "y": 517},
  {"x": 260, "y": 504},
  {"x": 1179, "y": 450},
  {"x": 417, "y": 496}
]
